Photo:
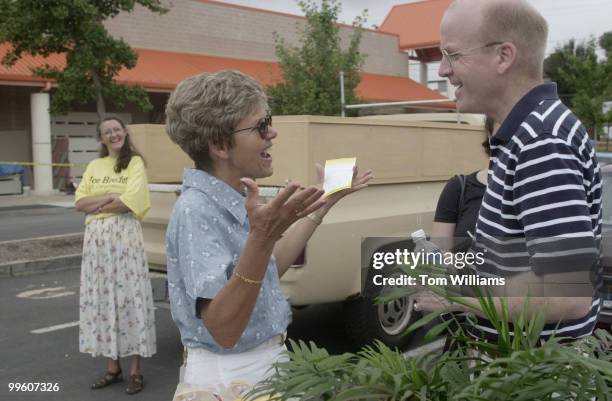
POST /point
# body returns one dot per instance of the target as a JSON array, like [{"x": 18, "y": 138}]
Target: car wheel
[{"x": 366, "y": 321}]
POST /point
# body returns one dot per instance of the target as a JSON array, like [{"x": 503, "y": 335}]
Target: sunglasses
[{"x": 262, "y": 127}]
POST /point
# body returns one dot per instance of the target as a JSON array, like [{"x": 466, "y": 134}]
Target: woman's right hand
[{"x": 268, "y": 222}]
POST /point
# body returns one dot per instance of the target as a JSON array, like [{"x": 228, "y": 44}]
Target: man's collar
[
  {"x": 521, "y": 110},
  {"x": 218, "y": 190}
]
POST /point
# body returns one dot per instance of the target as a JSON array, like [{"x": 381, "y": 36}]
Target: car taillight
[{"x": 300, "y": 261}]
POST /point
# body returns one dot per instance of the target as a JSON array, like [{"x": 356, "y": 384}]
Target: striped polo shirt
[{"x": 542, "y": 208}]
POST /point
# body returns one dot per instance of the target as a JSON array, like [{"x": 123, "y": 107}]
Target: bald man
[{"x": 540, "y": 222}]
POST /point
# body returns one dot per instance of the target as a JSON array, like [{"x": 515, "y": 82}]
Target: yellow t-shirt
[{"x": 100, "y": 179}]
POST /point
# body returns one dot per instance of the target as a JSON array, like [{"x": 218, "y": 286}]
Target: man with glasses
[
  {"x": 544, "y": 187},
  {"x": 226, "y": 252}
]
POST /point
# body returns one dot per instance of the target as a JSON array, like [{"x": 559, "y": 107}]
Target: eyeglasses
[
  {"x": 109, "y": 132},
  {"x": 262, "y": 127},
  {"x": 454, "y": 56}
]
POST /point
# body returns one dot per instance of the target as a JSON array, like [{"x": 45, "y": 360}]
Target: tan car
[{"x": 411, "y": 162}]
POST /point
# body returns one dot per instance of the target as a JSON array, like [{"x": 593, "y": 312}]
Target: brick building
[{"x": 194, "y": 36}]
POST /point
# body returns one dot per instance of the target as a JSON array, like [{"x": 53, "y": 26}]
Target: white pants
[{"x": 229, "y": 376}]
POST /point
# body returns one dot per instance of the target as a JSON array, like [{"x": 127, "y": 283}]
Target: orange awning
[
  {"x": 418, "y": 27},
  {"x": 159, "y": 70},
  {"x": 381, "y": 88}
]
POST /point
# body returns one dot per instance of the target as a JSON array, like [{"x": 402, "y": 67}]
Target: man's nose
[{"x": 444, "y": 70}]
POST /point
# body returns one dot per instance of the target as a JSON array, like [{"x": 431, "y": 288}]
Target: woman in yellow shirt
[{"x": 116, "y": 304}]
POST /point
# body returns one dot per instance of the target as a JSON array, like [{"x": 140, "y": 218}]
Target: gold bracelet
[
  {"x": 245, "y": 279},
  {"x": 314, "y": 218}
]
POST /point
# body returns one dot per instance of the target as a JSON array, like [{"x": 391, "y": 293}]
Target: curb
[
  {"x": 43, "y": 238},
  {"x": 26, "y": 267}
]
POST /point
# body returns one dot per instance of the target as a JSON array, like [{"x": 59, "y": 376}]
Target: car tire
[{"x": 366, "y": 321}]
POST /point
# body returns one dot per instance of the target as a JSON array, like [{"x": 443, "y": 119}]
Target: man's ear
[
  {"x": 217, "y": 152},
  {"x": 507, "y": 55}
]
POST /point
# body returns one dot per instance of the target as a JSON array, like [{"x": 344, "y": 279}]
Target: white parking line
[
  {"x": 54, "y": 328},
  {"x": 46, "y": 293}
]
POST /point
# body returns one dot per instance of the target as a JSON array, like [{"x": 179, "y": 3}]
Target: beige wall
[
  {"x": 397, "y": 151},
  {"x": 213, "y": 29}
]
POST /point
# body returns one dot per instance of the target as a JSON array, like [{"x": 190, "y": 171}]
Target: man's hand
[{"x": 268, "y": 222}]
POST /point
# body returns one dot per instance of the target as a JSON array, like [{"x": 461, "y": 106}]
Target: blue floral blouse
[{"x": 206, "y": 235}]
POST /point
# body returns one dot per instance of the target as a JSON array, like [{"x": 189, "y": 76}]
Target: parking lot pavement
[
  {"x": 32, "y": 221},
  {"x": 39, "y": 341},
  {"x": 39, "y": 344}
]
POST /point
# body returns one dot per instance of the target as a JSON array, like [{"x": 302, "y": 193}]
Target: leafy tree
[
  {"x": 584, "y": 80},
  {"x": 311, "y": 72},
  {"x": 75, "y": 28},
  {"x": 605, "y": 42},
  {"x": 556, "y": 62}
]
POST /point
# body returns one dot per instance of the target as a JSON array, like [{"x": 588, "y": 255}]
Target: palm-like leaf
[{"x": 516, "y": 367}]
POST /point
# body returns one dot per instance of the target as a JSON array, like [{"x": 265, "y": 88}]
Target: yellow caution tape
[{"x": 46, "y": 164}]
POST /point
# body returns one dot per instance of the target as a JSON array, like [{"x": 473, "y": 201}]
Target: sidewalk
[
  {"x": 51, "y": 253},
  {"x": 59, "y": 199}
]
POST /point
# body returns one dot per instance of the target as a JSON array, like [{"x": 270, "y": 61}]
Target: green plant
[
  {"x": 75, "y": 29},
  {"x": 583, "y": 79},
  {"x": 514, "y": 368},
  {"x": 311, "y": 71}
]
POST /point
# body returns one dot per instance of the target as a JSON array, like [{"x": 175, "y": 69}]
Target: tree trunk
[{"x": 100, "y": 106}]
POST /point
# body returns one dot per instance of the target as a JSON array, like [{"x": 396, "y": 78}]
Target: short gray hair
[
  {"x": 520, "y": 23},
  {"x": 207, "y": 108}
]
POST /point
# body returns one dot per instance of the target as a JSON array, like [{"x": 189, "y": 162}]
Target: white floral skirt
[{"x": 116, "y": 316}]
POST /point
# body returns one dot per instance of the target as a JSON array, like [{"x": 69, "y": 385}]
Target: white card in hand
[{"x": 338, "y": 175}]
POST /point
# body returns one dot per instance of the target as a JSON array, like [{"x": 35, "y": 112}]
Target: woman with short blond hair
[{"x": 226, "y": 252}]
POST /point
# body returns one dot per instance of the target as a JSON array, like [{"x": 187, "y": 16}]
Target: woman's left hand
[{"x": 359, "y": 182}]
